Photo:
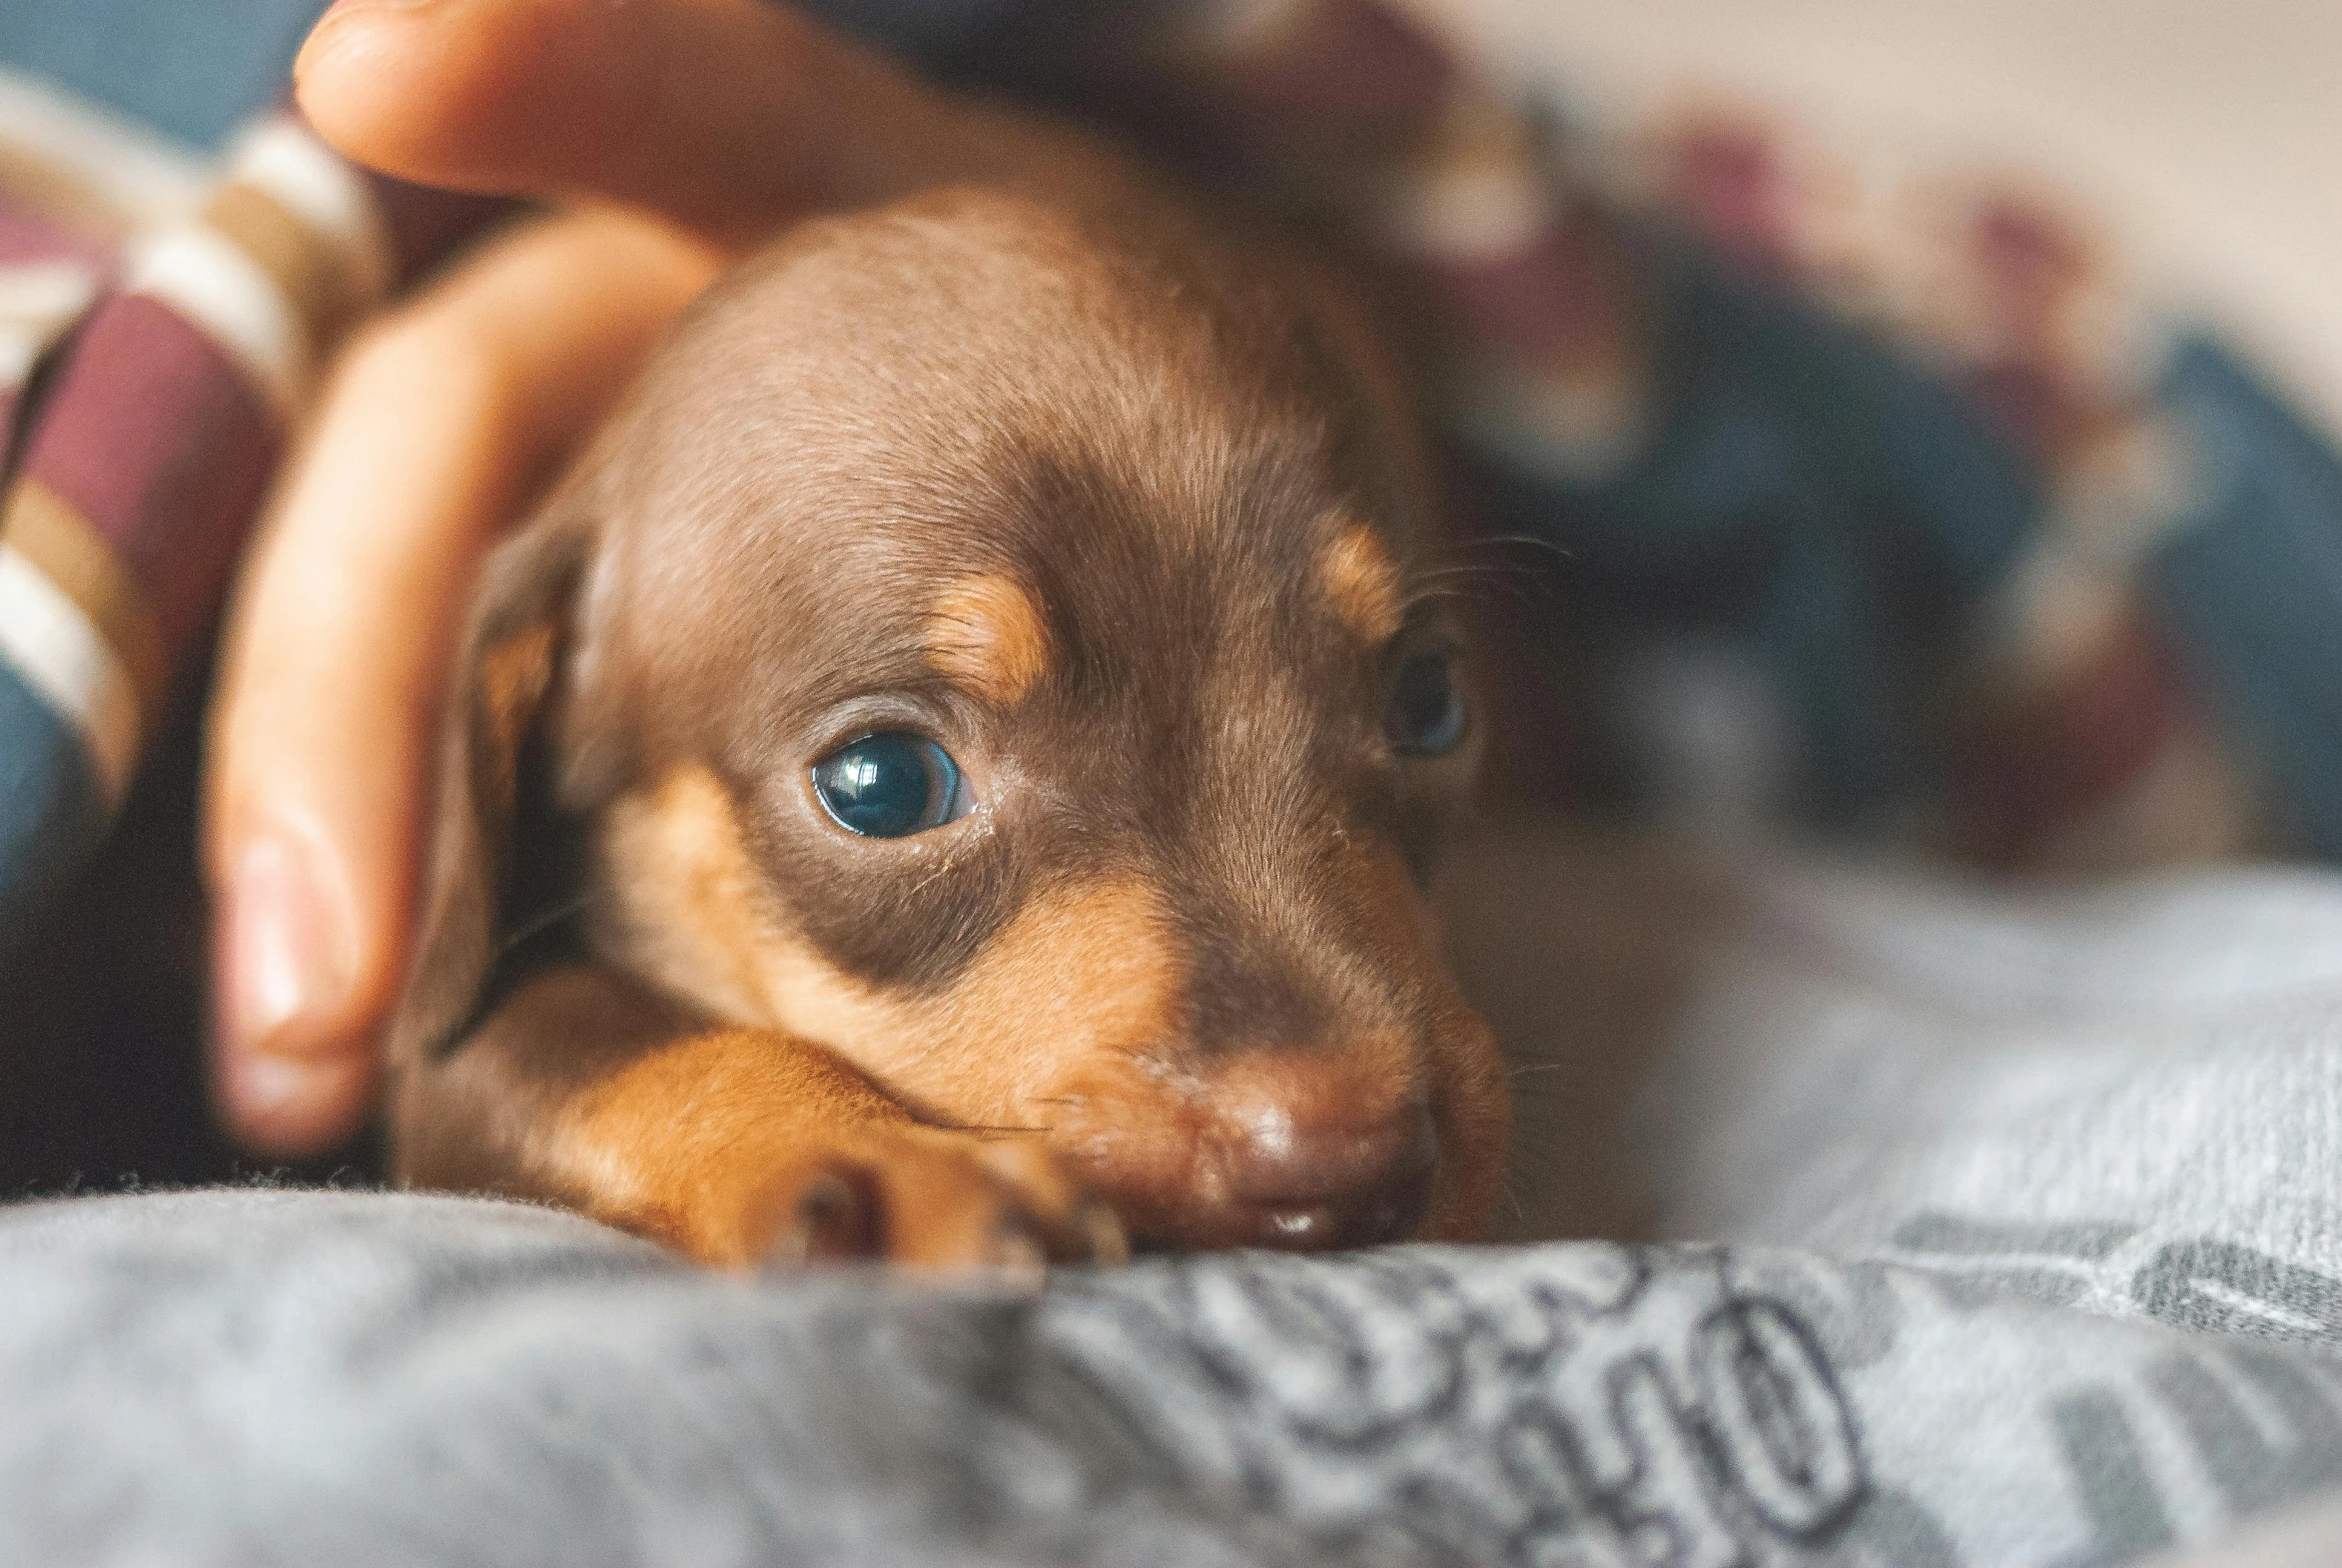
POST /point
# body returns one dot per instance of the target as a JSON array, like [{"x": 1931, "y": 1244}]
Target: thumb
[{"x": 728, "y": 117}]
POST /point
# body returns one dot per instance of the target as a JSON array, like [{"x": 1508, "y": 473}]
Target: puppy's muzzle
[{"x": 1299, "y": 1150}]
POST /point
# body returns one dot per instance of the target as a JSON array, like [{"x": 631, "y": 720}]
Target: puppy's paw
[{"x": 931, "y": 1199}]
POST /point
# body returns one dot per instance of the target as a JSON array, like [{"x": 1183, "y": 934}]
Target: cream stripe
[
  {"x": 20, "y": 350},
  {"x": 38, "y": 301},
  {"x": 47, "y": 640},
  {"x": 288, "y": 163},
  {"x": 1583, "y": 423},
  {"x": 208, "y": 280},
  {"x": 1471, "y": 212},
  {"x": 1478, "y": 190},
  {"x": 45, "y": 294},
  {"x": 58, "y": 542},
  {"x": 131, "y": 176}
]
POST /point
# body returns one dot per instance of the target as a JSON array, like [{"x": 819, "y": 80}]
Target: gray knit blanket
[{"x": 2023, "y": 1245}]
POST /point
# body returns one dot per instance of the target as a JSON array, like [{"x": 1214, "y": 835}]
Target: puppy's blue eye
[
  {"x": 890, "y": 785},
  {"x": 1425, "y": 715}
]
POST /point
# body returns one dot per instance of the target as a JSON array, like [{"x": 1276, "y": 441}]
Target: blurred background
[{"x": 2208, "y": 130}]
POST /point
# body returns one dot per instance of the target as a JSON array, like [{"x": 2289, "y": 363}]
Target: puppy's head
[{"x": 988, "y": 645}]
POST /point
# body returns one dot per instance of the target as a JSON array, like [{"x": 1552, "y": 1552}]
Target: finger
[
  {"x": 726, "y": 116},
  {"x": 439, "y": 422}
]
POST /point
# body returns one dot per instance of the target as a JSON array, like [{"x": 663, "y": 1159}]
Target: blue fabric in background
[
  {"x": 1803, "y": 478},
  {"x": 2256, "y": 588},
  {"x": 47, "y": 814},
  {"x": 193, "y": 69}
]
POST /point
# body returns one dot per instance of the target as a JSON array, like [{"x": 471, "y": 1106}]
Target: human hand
[{"x": 671, "y": 133}]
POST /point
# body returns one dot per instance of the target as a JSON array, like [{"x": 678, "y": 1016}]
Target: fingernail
[
  {"x": 335, "y": 14},
  {"x": 262, "y": 1088},
  {"x": 342, "y": 8},
  {"x": 287, "y": 953}
]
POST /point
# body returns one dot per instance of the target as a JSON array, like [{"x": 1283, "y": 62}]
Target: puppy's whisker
[
  {"x": 546, "y": 919},
  {"x": 1531, "y": 541},
  {"x": 1469, "y": 580},
  {"x": 1532, "y": 1160},
  {"x": 1472, "y": 570},
  {"x": 1524, "y": 576},
  {"x": 1514, "y": 541},
  {"x": 1416, "y": 600}
]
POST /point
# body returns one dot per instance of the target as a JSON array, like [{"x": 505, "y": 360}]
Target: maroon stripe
[
  {"x": 1556, "y": 300},
  {"x": 2030, "y": 258},
  {"x": 1356, "y": 68},
  {"x": 2036, "y": 406},
  {"x": 152, "y": 435},
  {"x": 1731, "y": 180},
  {"x": 2022, "y": 777},
  {"x": 25, "y": 238},
  {"x": 2031, "y": 265}
]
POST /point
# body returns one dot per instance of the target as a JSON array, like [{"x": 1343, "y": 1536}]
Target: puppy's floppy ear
[{"x": 506, "y": 674}]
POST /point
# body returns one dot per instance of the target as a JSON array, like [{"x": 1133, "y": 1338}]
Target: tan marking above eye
[
  {"x": 986, "y": 632},
  {"x": 1357, "y": 575}
]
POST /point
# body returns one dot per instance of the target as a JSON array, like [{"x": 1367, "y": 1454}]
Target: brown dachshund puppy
[{"x": 950, "y": 777}]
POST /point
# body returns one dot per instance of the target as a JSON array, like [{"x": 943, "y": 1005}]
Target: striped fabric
[{"x": 177, "y": 343}]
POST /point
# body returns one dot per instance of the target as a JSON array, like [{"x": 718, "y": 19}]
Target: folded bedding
[{"x": 2021, "y": 1244}]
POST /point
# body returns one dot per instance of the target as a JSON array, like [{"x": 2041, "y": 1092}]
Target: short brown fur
[{"x": 1137, "y": 557}]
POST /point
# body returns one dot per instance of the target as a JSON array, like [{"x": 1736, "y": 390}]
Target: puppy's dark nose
[{"x": 1311, "y": 1160}]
